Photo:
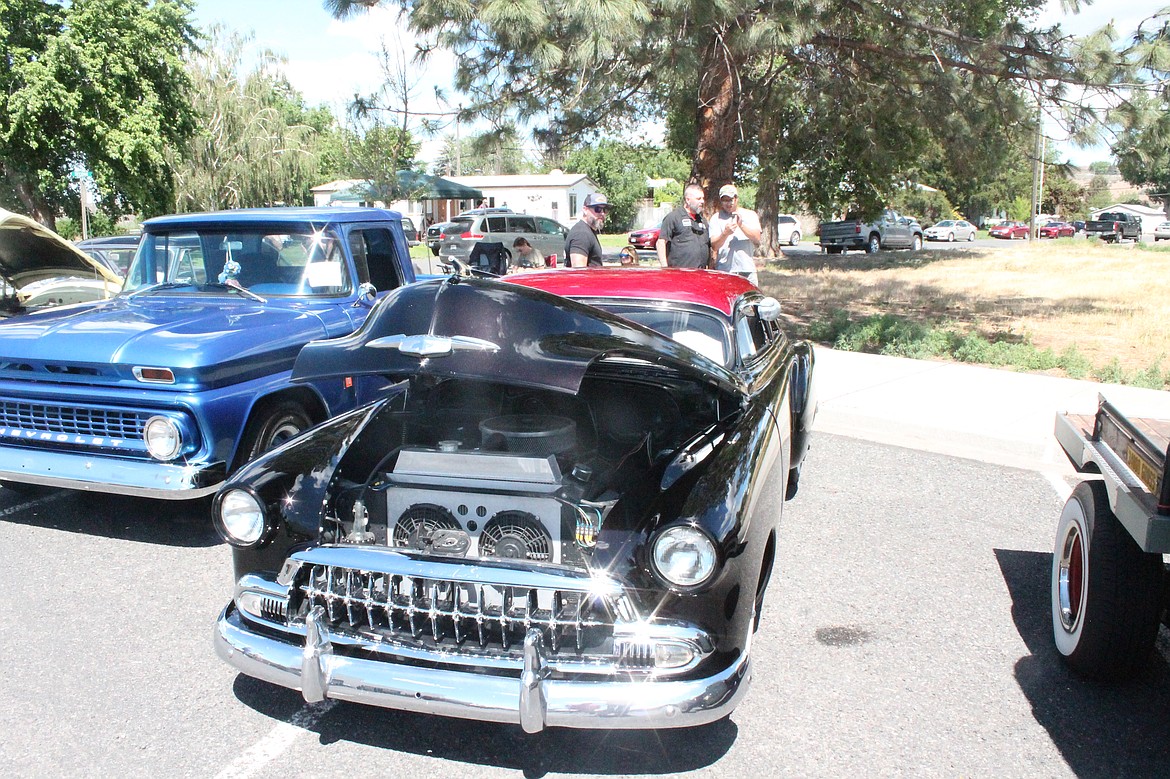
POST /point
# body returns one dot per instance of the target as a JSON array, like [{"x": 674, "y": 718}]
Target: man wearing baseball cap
[
  {"x": 735, "y": 233},
  {"x": 581, "y": 245}
]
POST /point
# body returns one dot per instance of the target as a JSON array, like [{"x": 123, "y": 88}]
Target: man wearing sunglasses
[
  {"x": 735, "y": 233},
  {"x": 683, "y": 239},
  {"x": 581, "y": 244}
]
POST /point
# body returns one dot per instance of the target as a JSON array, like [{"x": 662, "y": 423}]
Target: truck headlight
[
  {"x": 163, "y": 439},
  {"x": 684, "y": 556},
  {"x": 239, "y": 517}
]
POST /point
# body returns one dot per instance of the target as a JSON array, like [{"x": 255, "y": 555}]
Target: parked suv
[{"x": 546, "y": 235}]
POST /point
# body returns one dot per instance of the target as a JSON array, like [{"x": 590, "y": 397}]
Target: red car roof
[{"x": 702, "y": 287}]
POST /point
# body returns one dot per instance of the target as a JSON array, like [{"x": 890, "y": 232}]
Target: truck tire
[
  {"x": 270, "y": 426},
  {"x": 1106, "y": 592},
  {"x": 874, "y": 244}
]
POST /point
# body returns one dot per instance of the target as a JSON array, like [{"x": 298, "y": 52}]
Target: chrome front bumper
[
  {"x": 533, "y": 701},
  {"x": 140, "y": 478}
]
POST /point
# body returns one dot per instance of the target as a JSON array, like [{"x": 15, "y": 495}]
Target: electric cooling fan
[
  {"x": 418, "y": 522},
  {"x": 516, "y": 535}
]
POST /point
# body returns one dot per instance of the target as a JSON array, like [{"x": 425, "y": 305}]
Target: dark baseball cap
[{"x": 596, "y": 200}]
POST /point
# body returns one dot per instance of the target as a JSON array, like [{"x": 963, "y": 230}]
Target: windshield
[
  {"x": 274, "y": 260},
  {"x": 701, "y": 332}
]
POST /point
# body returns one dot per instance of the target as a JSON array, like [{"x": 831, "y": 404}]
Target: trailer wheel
[{"x": 1106, "y": 592}]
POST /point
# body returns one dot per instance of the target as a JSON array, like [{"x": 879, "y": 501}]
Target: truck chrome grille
[
  {"x": 479, "y": 615},
  {"x": 94, "y": 422}
]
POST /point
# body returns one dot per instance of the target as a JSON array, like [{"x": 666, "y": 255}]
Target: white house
[{"x": 557, "y": 195}]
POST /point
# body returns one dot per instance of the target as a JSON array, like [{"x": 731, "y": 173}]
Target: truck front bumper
[
  {"x": 140, "y": 478},
  {"x": 532, "y": 701}
]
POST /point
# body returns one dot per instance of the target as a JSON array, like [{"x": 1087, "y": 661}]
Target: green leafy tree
[
  {"x": 1097, "y": 194},
  {"x": 1143, "y": 147},
  {"x": 616, "y": 169},
  {"x": 1062, "y": 195},
  {"x": 96, "y": 85},
  {"x": 251, "y": 147},
  {"x": 494, "y": 152}
]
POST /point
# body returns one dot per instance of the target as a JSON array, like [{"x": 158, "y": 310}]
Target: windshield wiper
[
  {"x": 241, "y": 290},
  {"x": 160, "y": 286}
]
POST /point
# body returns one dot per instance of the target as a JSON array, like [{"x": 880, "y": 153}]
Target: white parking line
[
  {"x": 276, "y": 742},
  {"x": 28, "y": 504}
]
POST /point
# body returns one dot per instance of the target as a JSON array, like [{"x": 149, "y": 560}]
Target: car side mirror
[
  {"x": 768, "y": 309},
  {"x": 367, "y": 294}
]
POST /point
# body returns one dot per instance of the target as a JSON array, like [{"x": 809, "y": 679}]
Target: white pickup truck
[{"x": 890, "y": 231}]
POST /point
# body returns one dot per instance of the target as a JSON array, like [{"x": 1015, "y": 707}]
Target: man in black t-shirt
[
  {"x": 683, "y": 239},
  {"x": 581, "y": 245}
]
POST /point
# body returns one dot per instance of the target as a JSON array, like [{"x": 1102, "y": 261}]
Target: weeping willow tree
[{"x": 251, "y": 147}]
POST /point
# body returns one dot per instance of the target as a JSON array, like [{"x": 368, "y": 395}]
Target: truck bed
[{"x": 1130, "y": 453}]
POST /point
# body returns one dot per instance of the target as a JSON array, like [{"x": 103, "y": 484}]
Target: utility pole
[
  {"x": 458, "y": 145},
  {"x": 83, "y": 188}
]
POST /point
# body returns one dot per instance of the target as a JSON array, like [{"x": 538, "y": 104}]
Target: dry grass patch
[{"x": 1109, "y": 303}]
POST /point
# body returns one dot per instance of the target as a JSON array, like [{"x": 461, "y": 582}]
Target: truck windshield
[{"x": 279, "y": 260}]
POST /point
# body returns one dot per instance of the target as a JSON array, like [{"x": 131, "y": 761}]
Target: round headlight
[
  {"x": 241, "y": 517},
  {"x": 163, "y": 439},
  {"x": 684, "y": 556}
]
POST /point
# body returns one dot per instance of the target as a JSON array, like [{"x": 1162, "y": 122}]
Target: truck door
[{"x": 376, "y": 260}]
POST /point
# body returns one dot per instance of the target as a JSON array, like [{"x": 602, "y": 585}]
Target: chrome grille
[
  {"x": 456, "y": 613},
  {"x": 72, "y": 420}
]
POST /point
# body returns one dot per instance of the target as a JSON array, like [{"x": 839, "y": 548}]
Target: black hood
[{"x": 493, "y": 331}]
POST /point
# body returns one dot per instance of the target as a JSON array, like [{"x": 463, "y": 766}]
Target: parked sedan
[
  {"x": 644, "y": 238},
  {"x": 1057, "y": 230},
  {"x": 950, "y": 230},
  {"x": 1010, "y": 230},
  {"x": 788, "y": 229},
  {"x": 559, "y": 513},
  {"x": 1162, "y": 232}
]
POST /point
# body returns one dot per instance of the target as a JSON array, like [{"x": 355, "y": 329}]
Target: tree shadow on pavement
[
  {"x": 169, "y": 523},
  {"x": 558, "y": 750},
  {"x": 1100, "y": 729}
]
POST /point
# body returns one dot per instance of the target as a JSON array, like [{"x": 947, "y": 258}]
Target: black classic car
[{"x": 560, "y": 509}]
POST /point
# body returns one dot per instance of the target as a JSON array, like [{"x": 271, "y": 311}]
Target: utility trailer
[{"x": 1108, "y": 576}]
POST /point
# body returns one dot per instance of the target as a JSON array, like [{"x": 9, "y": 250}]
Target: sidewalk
[{"x": 992, "y": 415}]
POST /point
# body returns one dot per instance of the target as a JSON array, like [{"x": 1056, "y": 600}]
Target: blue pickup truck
[{"x": 165, "y": 389}]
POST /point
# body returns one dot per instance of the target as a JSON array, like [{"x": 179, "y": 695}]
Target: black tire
[
  {"x": 794, "y": 239},
  {"x": 916, "y": 244},
  {"x": 874, "y": 244},
  {"x": 1106, "y": 592},
  {"x": 270, "y": 426},
  {"x": 971, "y": 236},
  {"x": 951, "y": 237},
  {"x": 793, "y": 482},
  {"x": 435, "y": 250}
]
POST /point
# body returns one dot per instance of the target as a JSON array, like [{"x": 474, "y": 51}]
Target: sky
[{"x": 329, "y": 61}]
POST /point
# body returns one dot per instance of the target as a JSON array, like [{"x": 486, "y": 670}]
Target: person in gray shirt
[{"x": 735, "y": 233}]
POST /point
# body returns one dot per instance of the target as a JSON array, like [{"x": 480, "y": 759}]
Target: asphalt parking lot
[{"x": 905, "y": 633}]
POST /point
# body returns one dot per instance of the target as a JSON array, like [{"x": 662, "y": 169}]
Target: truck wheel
[
  {"x": 1106, "y": 592},
  {"x": 270, "y": 426},
  {"x": 874, "y": 245}
]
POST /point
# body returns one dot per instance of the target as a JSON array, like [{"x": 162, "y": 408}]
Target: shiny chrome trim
[
  {"x": 95, "y": 473},
  {"x": 487, "y": 697}
]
